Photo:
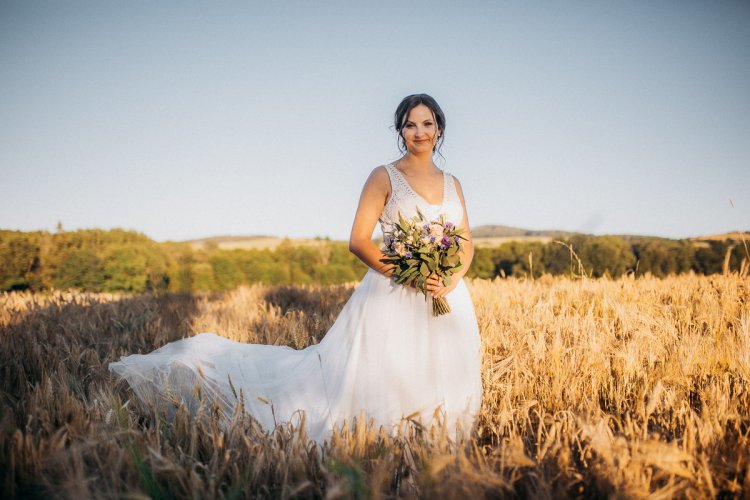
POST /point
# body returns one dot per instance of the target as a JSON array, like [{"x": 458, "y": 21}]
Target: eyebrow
[{"x": 427, "y": 120}]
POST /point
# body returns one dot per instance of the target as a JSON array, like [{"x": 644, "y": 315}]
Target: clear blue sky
[{"x": 185, "y": 120}]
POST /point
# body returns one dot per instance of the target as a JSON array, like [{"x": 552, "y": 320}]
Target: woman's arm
[
  {"x": 467, "y": 254},
  {"x": 371, "y": 203},
  {"x": 434, "y": 284}
]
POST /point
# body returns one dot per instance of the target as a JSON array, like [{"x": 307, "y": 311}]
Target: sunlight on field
[
  {"x": 253, "y": 242},
  {"x": 591, "y": 388},
  {"x": 499, "y": 240}
]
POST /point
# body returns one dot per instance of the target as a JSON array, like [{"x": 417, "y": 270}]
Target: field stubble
[{"x": 624, "y": 388}]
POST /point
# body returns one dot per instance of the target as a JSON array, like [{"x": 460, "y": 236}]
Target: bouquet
[{"x": 419, "y": 248}]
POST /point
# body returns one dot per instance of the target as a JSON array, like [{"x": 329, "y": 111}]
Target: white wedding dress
[{"x": 385, "y": 355}]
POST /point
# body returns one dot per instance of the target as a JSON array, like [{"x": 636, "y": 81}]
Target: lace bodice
[{"x": 404, "y": 199}]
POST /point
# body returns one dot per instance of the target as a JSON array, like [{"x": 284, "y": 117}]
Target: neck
[{"x": 417, "y": 163}]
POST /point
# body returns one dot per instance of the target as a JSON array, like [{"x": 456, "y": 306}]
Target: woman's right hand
[
  {"x": 389, "y": 273},
  {"x": 389, "y": 269}
]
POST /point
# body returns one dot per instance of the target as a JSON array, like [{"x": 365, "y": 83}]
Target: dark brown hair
[{"x": 402, "y": 113}]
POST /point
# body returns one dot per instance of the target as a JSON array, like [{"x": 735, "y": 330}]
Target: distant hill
[
  {"x": 250, "y": 242},
  {"x": 494, "y": 235},
  {"x": 496, "y": 231},
  {"x": 483, "y": 236},
  {"x": 733, "y": 236}
]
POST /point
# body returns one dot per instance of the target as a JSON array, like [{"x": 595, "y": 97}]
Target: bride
[{"x": 386, "y": 357}]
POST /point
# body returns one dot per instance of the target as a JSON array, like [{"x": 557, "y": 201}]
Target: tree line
[
  {"x": 612, "y": 256},
  {"x": 128, "y": 261}
]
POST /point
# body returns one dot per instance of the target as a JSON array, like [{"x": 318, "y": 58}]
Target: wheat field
[{"x": 625, "y": 388}]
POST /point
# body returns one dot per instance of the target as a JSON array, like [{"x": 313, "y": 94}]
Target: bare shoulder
[
  {"x": 458, "y": 185},
  {"x": 379, "y": 180},
  {"x": 379, "y": 173}
]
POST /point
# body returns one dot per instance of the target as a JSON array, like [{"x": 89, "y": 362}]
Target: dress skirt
[{"x": 385, "y": 356}]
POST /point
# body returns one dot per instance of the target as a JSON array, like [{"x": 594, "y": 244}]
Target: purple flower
[
  {"x": 446, "y": 241},
  {"x": 448, "y": 226},
  {"x": 426, "y": 227},
  {"x": 408, "y": 255},
  {"x": 432, "y": 239}
]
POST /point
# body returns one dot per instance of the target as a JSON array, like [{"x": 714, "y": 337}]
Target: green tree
[
  {"x": 227, "y": 274},
  {"x": 607, "y": 255},
  {"x": 662, "y": 257},
  {"x": 80, "y": 269},
  {"x": 482, "y": 265},
  {"x": 558, "y": 259},
  {"x": 203, "y": 277},
  {"x": 19, "y": 260},
  {"x": 126, "y": 269},
  {"x": 709, "y": 257}
]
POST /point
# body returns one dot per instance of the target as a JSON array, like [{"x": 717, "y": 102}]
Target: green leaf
[
  {"x": 424, "y": 270},
  {"x": 419, "y": 212},
  {"x": 402, "y": 222}
]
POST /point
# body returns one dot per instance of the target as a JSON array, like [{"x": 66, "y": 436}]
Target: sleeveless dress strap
[{"x": 393, "y": 178}]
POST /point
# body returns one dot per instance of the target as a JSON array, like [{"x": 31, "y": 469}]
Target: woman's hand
[
  {"x": 436, "y": 287},
  {"x": 389, "y": 269},
  {"x": 434, "y": 283}
]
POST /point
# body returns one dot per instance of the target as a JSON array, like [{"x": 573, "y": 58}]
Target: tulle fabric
[{"x": 385, "y": 356}]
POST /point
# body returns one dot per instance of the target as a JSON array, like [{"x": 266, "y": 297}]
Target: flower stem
[{"x": 440, "y": 306}]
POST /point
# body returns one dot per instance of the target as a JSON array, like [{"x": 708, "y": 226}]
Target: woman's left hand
[{"x": 437, "y": 289}]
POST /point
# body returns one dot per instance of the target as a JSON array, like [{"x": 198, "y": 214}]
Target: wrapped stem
[{"x": 440, "y": 306}]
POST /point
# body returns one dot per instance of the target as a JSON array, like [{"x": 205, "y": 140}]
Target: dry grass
[{"x": 621, "y": 388}]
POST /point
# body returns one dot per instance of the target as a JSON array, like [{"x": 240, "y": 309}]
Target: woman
[{"x": 386, "y": 357}]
